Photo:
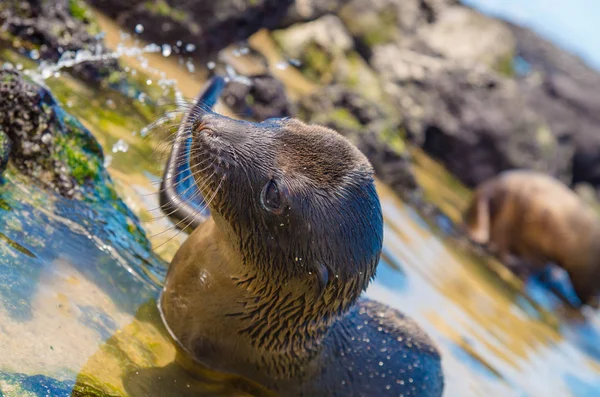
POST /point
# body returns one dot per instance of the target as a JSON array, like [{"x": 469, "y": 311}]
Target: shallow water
[{"x": 77, "y": 309}]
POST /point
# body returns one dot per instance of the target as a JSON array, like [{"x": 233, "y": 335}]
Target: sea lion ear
[{"x": 322, "y": 279}]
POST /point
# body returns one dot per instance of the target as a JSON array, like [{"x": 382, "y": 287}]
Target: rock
[
  {"x": 55, "y": 149},
  {"x": 325, "y": 51},
  {"x": 366, "y": 124},
  {"x": 476, "y": 123},
  {"x": 51, "y": 28},
  {"x": 309, "y": 10},
  {"x": 376, "y": 22},
  {"x": 257, "y": 98},
  {"x": 45, "y": 138},
  {"x": 206, "y": 24},
  {"x": 465, "y": 35},
  {"x": 5, "y": 147},
  {"x": 563, "y": 90}
]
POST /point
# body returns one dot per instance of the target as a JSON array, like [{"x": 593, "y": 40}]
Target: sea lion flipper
[
  {"x": 477, "y": 219},
  {"x": 179, "y": 196}
]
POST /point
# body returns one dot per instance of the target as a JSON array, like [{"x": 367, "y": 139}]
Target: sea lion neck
[{"x": 278, "y": 325}]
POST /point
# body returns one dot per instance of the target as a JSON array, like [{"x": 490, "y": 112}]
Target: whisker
[{"x": 196, "y": 213}]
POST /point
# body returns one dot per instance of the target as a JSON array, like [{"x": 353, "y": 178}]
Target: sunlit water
[{"x": 77, "y": 296}]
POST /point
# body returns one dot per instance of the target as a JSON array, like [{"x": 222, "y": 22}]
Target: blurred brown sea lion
[{"x": 533, "y": 217}]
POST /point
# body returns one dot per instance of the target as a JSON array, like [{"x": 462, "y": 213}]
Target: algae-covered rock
[
  {"x": 376, "y": 22},
  {"x": 5, "y": 146},
  {"x": 478, "y": 124},
  {"x": 308, "y": 10},
  {"x": 47, "y": 29},
  {"x": 465, "y": 35},
  {"x": 374, "y": 131},
  {"x": 326, "y": 54},
  {"x": 52, "y": 147},
  {"x": 257, "y": 98},
  {"x": 209, "y": 25}
]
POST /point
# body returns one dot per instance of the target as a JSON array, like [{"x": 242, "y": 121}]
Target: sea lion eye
[{"x": 271, "y": 197}]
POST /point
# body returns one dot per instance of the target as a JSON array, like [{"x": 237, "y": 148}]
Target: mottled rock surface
[
  {"x": 368, "y": 126},
  {"x": 326, "y": 54},
  {"x": 257, "y": 98},
  {"x": 478, "y": 124},
  {"x": 52, "y": 147},
  {"x": 563, "y": 90},
  {"x": 48, "y": 29},
  {"x": 208, "y": 25}
]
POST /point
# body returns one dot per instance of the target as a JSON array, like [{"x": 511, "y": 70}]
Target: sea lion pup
[
  {"x": 267, "y": 287},
  {"x": 538, "y": 219}
]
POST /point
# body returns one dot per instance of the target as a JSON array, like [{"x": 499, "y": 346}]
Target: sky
[{"x": 573, "y": 25}]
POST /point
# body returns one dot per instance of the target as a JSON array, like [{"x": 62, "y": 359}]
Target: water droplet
[
  {"x": 295, "y": 62},
  {"x": 120, "y": 146},
  {"x": 34, "y": 54},
  {"x": 139, "y": 28},
  {"x": 211, "y": 65},
  {"x": 166, "y": 50},
  {"x": 46, "y": 73},
  {"x": 149, "y": 82},
  {"x": 108, "y": 160},
  {"x": 190, "y": 47},
  {"x": 46, "y": 138},
  {"x": 281, "y": 65},
  {"x": 190, "y": 66}
]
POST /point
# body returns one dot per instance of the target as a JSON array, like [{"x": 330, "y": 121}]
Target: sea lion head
[{"x": 297, "y": 201}]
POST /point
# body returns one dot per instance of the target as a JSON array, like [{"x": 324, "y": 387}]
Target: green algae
[
  {"x": 317, "y": 63},
  {"x": 161, "y": 7},
  {"x": 505, "y": 65},
  {"x": 371, "y": 28}
]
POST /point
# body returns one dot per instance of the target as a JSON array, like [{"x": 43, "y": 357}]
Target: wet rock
[
  {"x": 257, "y": 98},
  {"x": 476, "y": 123},
  {"x": 564, "y": 90},
  {"x": 5, "y": 147},
  {"x": 47, "y": 29},
  {"x": 374, "y": 131},
  {"x": 379, "y": 22},
  {"x": 326, "y": 53},
  {"x": 208, "y": 25},
  {"x": 51, "y": 146}
]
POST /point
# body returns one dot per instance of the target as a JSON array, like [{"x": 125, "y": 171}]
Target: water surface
[{"x": 77, "y": 297}]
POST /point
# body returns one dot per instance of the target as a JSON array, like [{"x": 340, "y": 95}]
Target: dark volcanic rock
[
  {"x": 480, "y": 126},
  {"x": 54, "y": 27},
  {"x": 472, "y": 119},
  {"x": 50, "y": 145},
  {"x": 563, "y": 90},
  {"x": 368, "y": 126},
  {"x": 258, "y": 98},
  {"x": 209, "y": 25},
  {"x": 44, "y": 137}
]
